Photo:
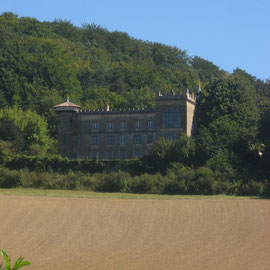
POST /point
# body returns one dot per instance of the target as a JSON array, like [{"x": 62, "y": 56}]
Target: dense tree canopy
[{"x": 39, "y": 57}]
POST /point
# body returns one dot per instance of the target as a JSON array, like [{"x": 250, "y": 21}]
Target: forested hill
[
  {"x": 41, "y": 63},
  {"x": 44, "y": 62}
]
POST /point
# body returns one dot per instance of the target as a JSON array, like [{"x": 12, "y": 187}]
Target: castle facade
[{"x": 122, "y": 133}]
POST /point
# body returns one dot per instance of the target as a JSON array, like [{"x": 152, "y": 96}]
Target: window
[
  {"x": 138, "y": 124},
  {"x": 150, "y": 124},
  {"x": 171, "y": 118},
  {"x": 123, "y": 125},
  {"x": 94, "y": 140},
  {"x": 109, "y": 125},
  {"x": 122, "y": 154},
  {"x": 93, "y": 154},
  {"x": 137, "y": 139},
  {"x": 171, "y": 136},
  {"x": 138, "y": 153},
  {"x": 95, "y": 126},
  {"x": 149, "y": 138},
  {"x": 110, "y": 140},
  {"x": 109, "y": 154},
  {"x": 122, "y": 139}
]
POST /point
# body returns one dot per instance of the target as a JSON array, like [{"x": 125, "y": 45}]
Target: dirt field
[{"x": 80, "y": 233}]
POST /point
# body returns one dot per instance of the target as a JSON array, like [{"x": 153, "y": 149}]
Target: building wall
[
  {"x": 89, "y": 134},
  {"x": 104, "y": 139},
  {"x": 67, "y": 133}
]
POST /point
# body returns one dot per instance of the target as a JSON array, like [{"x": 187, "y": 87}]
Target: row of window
[
  {"x": 137, "y": 139},
  {"x": 170, "y": 119},
  {"x": 123, "y": 125},
  {"x": 122, "y": 139},
  {"x": 122, "y": 154}
]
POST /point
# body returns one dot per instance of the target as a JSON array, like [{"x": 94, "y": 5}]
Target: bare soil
[{"x": 81, "y": 233}]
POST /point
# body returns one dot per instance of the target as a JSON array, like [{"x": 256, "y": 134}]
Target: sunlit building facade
[{"x": 122, "y": 133}]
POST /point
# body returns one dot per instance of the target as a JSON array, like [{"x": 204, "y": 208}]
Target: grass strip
[{"x": 100, "y": 195}]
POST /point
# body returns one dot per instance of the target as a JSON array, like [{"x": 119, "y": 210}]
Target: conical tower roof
[{"x": 69, "y": 106}]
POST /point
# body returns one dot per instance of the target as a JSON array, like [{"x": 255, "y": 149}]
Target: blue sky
[{"x": 229, "y": 33}]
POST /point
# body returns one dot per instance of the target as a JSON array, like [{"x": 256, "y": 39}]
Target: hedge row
[
  {"x": 181, "y": 180},
  {"x": 57, "y": 164}
]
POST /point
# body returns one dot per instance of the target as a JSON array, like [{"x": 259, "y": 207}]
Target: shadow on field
[{"x": 262, "y": 198}]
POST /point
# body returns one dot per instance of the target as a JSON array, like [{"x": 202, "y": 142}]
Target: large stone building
[{"x": 122, "y": 133}]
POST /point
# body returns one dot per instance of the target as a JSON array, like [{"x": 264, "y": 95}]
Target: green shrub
[
  {"x": 179, "y": 179},
  {"x": 251, "y": 188},
  {"x": 112, "y": 182},
  {"x": 204, "y": 182},
  {"x": 174, "y": 185},
  {"x": 222, "y": 187},
  {"x": 147, "y": 183},
  {"x": 9, "y": 179},
  {"x": 266, "y": 191}
]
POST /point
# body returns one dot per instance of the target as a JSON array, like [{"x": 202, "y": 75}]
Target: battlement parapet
[
  {"x": 117, "y": 111},
  {"x": 176, "y": 96}
]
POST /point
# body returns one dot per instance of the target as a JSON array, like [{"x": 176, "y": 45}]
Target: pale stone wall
[{"x": 190, "y": 109}]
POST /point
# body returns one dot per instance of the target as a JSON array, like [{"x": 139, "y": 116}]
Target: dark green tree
[
  {"x": 10, "y": 132},
  {"x": 228, "y": 121}
]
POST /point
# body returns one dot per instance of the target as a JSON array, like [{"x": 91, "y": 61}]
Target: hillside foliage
[{"x": 43, "y": 63}]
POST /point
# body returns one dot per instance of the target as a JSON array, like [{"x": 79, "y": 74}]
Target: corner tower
[
  {"x": 67, "y": 128},
  {"x": 174, "y": 114}
]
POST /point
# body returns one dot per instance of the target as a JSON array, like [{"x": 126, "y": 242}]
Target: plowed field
[{"x": 80, "y": 233}]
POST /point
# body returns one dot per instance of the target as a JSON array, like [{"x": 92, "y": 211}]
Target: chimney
[{"x": 158, "y": 94}]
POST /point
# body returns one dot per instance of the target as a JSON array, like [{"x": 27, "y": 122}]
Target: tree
[
  {"x": 228, "y": 120},
  {"x": 265, "y": 136},
  {"x": 10, "y": 132},
  {"x": 165, "y": 152},
  {"x": 27, "y": 126},
  {"x": 206, "y": 69}
]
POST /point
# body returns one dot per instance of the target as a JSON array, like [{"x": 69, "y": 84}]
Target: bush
[
  {"x": 112, "y": 182},
  {"x": 50, "y": 180},
  {"x": 9, "y": 179},
  {"x": 204, "y": 182},
  {"x": 57, "y": 164},
  {"x": 146, "y": 183},
  {"x": 178, "y": 180},
  {"x": 222, "y": 187},
  {"x": 266, "y": 191},
  {"x": 251, "y": 188}
]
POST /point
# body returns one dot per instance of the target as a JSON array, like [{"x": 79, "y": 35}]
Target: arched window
[{"x": 171, "y": 118}]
